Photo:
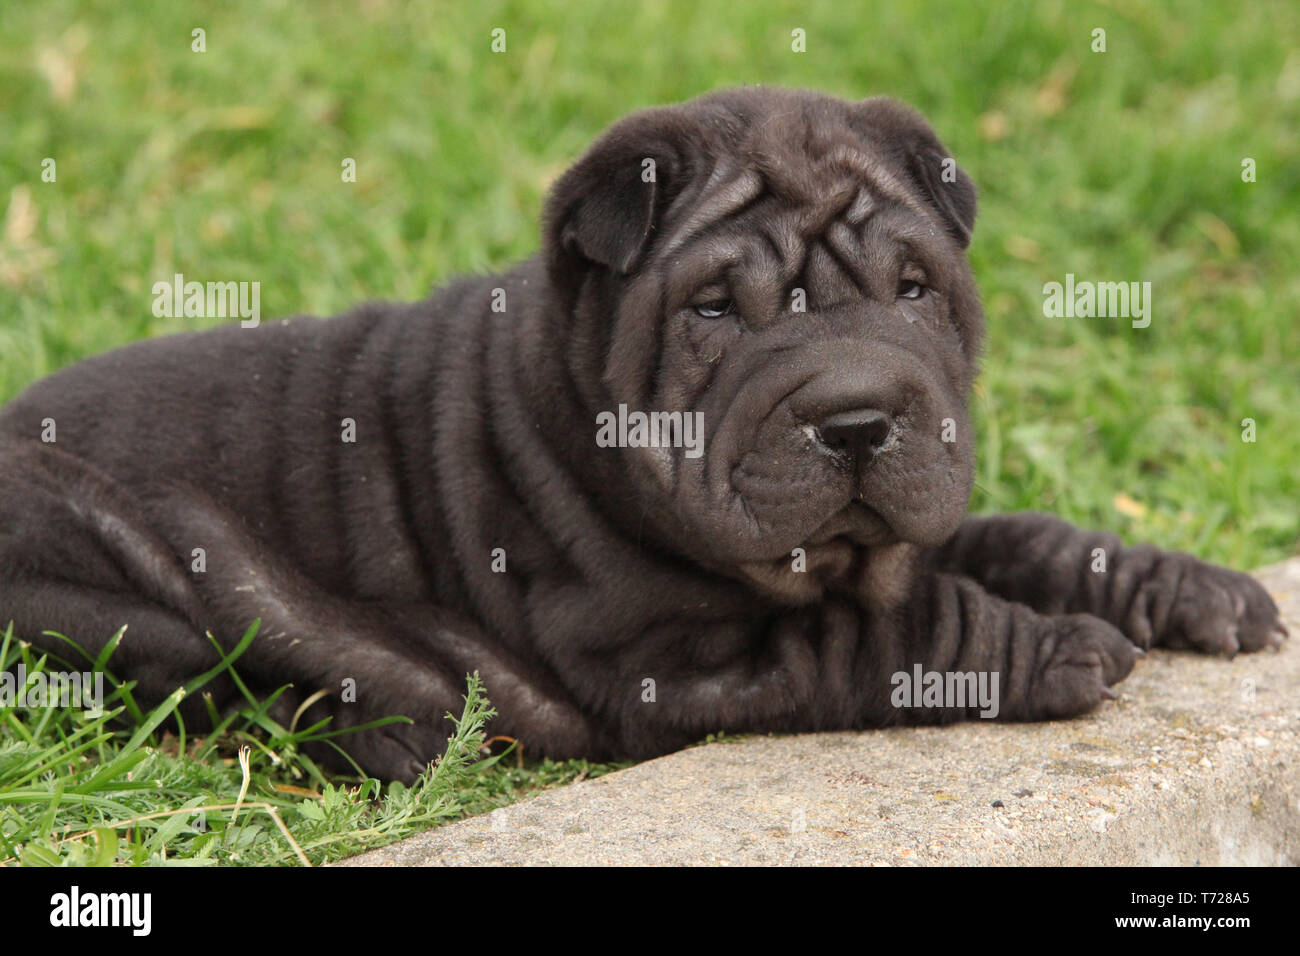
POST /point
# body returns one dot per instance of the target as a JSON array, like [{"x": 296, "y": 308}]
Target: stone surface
[{"x": 1198, "y": 762}]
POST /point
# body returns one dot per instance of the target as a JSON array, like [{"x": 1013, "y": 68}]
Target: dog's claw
[{"x": 1108, "y": 694}]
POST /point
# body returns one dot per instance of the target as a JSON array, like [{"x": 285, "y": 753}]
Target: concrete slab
[{"x": 1198, "y": 762}]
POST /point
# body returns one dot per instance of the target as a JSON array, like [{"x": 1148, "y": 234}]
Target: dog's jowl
[{"x": 776, "y": 283}]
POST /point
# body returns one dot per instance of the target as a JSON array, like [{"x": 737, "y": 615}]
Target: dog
[{"x": 701, "y": 464}]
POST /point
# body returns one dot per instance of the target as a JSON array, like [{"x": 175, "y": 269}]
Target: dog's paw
[
  {"x": 400, "y": 750},
  {"x": 395, "y": 752},
  {"x": 1081, "y": 657},
  {"x": 1191, "y": 605}
]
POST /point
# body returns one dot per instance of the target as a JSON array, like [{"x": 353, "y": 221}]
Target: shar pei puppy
[{"x": 701, "y": 464}]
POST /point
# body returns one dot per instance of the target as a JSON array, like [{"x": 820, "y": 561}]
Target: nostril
[{"x": 860, "y": 431}]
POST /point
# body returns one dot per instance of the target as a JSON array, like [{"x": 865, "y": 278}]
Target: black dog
[{"x": 761, "y": 299}]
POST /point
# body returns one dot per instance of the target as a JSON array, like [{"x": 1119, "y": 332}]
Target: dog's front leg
[
  {"x": 1156, "y": 597},
  {"x": 952, "y": 651},
  {"x": 845, "y": 664}
]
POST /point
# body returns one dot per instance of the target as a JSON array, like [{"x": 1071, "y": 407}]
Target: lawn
[{"x": 1122, "y": 165}]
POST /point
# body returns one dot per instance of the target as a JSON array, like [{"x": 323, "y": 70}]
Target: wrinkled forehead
[
  {"x": 800, "y": 191},
  {"x": 820, "y": 162}
]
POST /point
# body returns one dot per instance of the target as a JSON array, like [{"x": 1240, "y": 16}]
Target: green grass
[
  {"x": 1123, "y": 165},
  {"x": 114, "y": 788}
]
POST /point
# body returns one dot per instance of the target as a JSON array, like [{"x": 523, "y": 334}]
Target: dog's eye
[
  {"x": 715, "y": 309},
  {"x": 908, "y": 289}
]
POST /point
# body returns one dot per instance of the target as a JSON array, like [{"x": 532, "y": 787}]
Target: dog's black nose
[{"x": 860, "y": 432}]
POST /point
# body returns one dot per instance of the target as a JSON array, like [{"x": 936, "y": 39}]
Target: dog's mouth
[
  {"x": 830, "y": 556},
  {"x": 857, "y": 523},
  {"x": 836, "y": 549}
]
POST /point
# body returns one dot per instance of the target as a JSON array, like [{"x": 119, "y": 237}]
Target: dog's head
[{"x": 792, "y": 267}]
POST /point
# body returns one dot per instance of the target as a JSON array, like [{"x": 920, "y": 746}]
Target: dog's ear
[
  {"x": 605, "y": 209},
  {"x": 903, "y": 134}
]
